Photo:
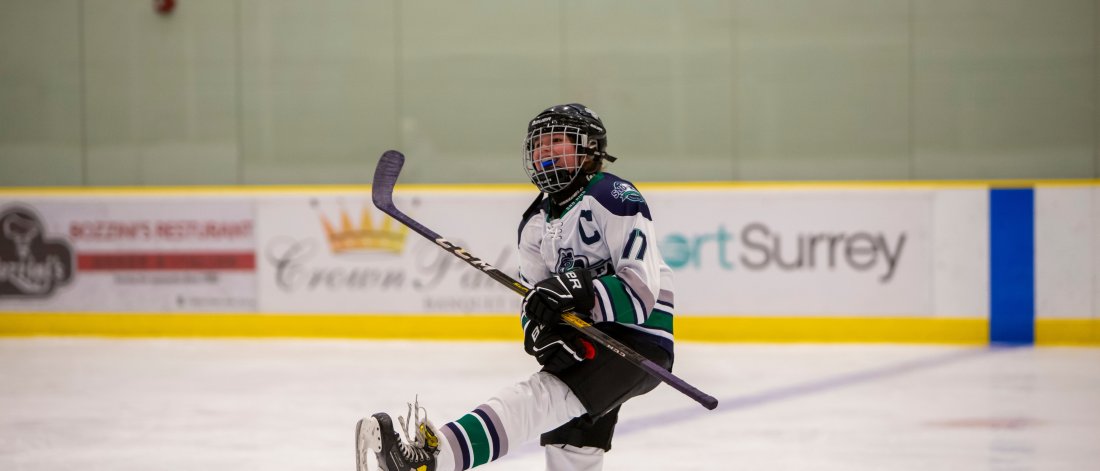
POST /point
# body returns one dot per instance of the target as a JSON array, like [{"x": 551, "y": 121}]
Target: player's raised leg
[{"x": 515, "y": 415}]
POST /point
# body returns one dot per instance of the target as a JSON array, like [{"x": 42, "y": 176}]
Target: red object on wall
[
  {"x": 145, "y": 261},
  {"x": 164, "y": 7}
]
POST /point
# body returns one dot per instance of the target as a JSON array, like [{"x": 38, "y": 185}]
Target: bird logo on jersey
[
  {"x": 625, "y": 192},
  {"x": 567, "y": 260}
]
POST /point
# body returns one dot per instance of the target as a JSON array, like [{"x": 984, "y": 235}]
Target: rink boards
[{"x": 938, "y": 262}]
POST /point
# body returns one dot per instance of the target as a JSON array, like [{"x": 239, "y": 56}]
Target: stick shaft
[{"x": 385, "y": 177}]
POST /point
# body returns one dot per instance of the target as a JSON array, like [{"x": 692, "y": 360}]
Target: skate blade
[{"x": 368, "y": 440}]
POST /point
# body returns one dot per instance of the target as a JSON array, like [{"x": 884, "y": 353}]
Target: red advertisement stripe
[{"x": 204, "y": 261}]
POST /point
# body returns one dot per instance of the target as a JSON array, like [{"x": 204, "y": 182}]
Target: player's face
[{"x": 557, "y": 148}]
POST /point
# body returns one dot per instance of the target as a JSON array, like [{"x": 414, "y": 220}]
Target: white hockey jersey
[{"x": 608, "y": 230}]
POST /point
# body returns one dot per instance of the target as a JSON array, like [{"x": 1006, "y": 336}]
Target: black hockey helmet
[{"x": 585, "y": 130}]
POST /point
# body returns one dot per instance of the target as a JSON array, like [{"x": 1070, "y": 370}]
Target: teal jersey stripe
[
  {"x": 659, "y": 320},
  {"x": 479, "y": 438},
  {"x": 620, "y": 300}
]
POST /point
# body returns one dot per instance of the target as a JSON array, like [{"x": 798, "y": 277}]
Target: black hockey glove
[
  {"x": 569, "y": 291},
  {"x": 558, "y": 346}
]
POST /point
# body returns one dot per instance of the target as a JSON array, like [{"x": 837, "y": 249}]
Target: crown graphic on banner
[{"x": 389, "y": 236}]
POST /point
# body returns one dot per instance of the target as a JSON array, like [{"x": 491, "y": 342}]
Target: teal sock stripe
[{"x": 478, "y": 438}]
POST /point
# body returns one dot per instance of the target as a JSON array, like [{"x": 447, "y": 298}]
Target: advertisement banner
[
  {"x": 339, "y": 254},
  {"x": 798, "y": 252},
  {"x": 128, "y": 254}
]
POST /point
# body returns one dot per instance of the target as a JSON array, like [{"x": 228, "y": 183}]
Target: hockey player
[{"x": 588, "y": 246}]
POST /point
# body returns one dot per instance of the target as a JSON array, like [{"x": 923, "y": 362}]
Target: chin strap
[{"x": 571, "y": 191}]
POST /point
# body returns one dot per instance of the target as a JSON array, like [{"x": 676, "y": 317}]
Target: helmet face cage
[{"x": 554, "y": 155}]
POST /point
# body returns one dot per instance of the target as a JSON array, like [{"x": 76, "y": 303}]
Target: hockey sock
[{"x": 515, "y": 415}]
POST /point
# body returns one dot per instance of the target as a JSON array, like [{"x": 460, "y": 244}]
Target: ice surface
[{"x": 113, "y": 404}]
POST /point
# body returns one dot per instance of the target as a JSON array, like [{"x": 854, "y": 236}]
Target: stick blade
[{"x": 385, "y": 177}]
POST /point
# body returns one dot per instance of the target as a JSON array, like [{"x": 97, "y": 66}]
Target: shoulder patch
[
  {"x": 624, "y": 191},
  {"x": 619, "y": 196}
]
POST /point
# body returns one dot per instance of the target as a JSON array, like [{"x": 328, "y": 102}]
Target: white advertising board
[
  {"x": 1064, "y": 258},
  {"x": 337, "y": 253},
  {"x": 960, "y": 243},
  {"x": 798, "y": 252},
  {"x": 129, "y": 254},
  {"x": 1094, "y": 246}
]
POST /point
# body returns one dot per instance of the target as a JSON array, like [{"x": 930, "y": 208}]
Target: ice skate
[{"x": 376, "y": 435}]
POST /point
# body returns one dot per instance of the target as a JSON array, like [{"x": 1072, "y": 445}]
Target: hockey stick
[{"x": 385, "y": 177}]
